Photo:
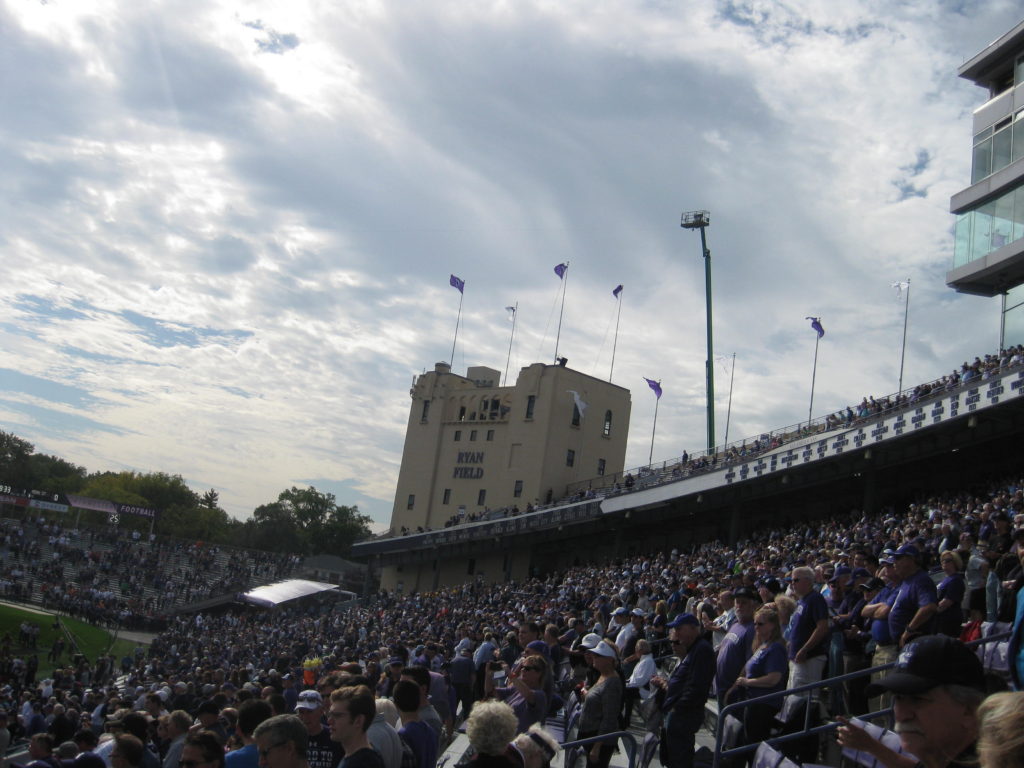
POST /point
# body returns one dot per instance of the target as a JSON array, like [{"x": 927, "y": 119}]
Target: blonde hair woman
[
  {"x": 767, "y": 671},
  {"x": 1001, "y": 727}
]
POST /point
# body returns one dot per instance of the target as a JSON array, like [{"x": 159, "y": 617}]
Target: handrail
[
  {"x": 807, "y": 689},
  {"x": 631, "y": 752}
]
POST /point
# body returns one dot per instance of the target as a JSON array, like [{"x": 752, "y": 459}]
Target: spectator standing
[
  {"x": 913, "y": 611},
  {"x": 737, "y": 645},
  {"x": 251, "y": 713},
  {"x": 686, "y": 690},
  {"x": 321, "y": 750},
  {"x": 281, "y": 742},
  {"x": 602, "y": 703},
  {"x": 418, "y": 735},
  {"x": 351, "y": 712},
  {"x": 808, "y": 631}
]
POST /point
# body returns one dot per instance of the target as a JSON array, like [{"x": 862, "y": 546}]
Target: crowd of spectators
[
  {"x": 118, "y": 578},
  {"x": 818, "y": 584}
]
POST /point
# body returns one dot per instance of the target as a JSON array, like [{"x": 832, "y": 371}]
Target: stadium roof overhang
[{"x": 283, "y": 591}]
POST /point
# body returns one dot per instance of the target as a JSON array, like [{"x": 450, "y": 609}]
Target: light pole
[{"x": 700, "y": 220}]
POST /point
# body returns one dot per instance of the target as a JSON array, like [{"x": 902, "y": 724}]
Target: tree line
[{"x": 301, "y": 521}]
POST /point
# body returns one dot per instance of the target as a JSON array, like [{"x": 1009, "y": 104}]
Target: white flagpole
[
  {"x": 728, "y": 412},
  {"x": 565, "y": 285},
  {"x": 654, "y": 429},
  {"x": 515, "y": 316},
  {"x": 457, "y": 320},
  {"x": 615, "y": 343},
  {"x": 814, "y": 374},
  {"x": 903, "y": 352}
]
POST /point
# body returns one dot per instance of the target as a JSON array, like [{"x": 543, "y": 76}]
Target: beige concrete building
[{"x": 473, "y": 447}]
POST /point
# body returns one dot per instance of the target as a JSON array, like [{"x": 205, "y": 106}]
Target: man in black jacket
[{"x": 686, "y": 690}]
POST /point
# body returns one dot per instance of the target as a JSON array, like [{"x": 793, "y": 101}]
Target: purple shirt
[
  {"x": 811, "y": 609},
  {"x": 768, "y": 658},
  {"x": 915, "y": 592},
  {"x": 733, "y": 654}
]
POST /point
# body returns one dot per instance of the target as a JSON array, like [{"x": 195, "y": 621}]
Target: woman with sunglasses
[
  {"x": 767, "y": 671},
  {"x": 525, "y": 691}
]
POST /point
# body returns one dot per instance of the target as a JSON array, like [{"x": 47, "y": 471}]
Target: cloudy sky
[{"x": 228, "y": 227}]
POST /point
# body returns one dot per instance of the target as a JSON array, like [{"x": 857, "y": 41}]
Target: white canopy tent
[{"x": 283, "y": 591}]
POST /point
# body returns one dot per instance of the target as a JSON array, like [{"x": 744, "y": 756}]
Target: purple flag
[
  {"x": 816, "y": 325},
  {"x": 655, "y": 386},
  {"x": 454, "y": 282},
  {"x": 560, "y": 270},
  {"x": 617, "y": 291}
]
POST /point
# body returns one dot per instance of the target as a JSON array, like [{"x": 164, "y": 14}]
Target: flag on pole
[
  {"x": 900, "y": 287},
  {"x": 655, "y": 386},
  {"x": 617, "y": 291},
  {"x": 511, "y": 313},
  {"x": 816, "y": 325},
  {"x": 455, "y": 282},
  {"x": 560, "y": 270},
  {"x": 581, "y": 404}
]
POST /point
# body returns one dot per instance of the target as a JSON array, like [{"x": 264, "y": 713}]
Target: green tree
[
  {"x": 307, "y": 521},
  {"x": 54, "y": 474},
  {"x": 15, "y": 466},
  {"x": 211, "y": 499}
]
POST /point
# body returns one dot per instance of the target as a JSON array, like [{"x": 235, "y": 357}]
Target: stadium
[{"x": 799, "y": 597}]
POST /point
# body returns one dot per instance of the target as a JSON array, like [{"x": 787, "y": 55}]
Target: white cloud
[{"x": 231, "y": 225}]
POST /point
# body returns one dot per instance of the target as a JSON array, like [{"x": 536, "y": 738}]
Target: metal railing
[
  {"x": 572, "y": 749},
  {"x": 807, "y": 692},
  {"x": 669, "y": 470}
]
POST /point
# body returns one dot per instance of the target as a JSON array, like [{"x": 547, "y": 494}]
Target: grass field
[{"x": 92, "y": 641}]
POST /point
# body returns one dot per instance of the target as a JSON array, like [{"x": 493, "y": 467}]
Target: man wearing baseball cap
[
  {"x": 321, "y": 751},
  {"x": 937, "y": 685},
  {"x": 913, "y": 611},
  {"x": 686, "y": 691}
]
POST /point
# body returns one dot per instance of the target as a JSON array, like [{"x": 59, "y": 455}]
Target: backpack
[{"x": 409, "y": 759}]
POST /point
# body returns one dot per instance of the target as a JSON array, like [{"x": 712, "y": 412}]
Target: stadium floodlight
[{"x": 701, "y": 220}]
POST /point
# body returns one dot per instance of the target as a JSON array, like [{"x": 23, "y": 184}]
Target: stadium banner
[
  {"x": 97, "y": 505},
  {"x": 49, "y": 506},
  {"x": 131, "y": 509}
]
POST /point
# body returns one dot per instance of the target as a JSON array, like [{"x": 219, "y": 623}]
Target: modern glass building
[{"x": 989, "y": 249}]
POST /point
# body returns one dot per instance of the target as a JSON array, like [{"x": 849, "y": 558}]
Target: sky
[{"x": 227, "y": 228}]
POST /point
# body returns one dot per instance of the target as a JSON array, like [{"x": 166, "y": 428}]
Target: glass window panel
[
  {"x": 981, "y": 232},
  {"x": 983, "y": 134},
  {"x": 1001, "y": 149},
  {"x": 962, "y": 246},
  {"x": 1017, "y": 150},
  {"x": 1013, "y": 327},
  {"x": 1002, "y": 221},
  {"x": 1018, "y": 212},
  {"x": 1015, "y": 296},
  {"x": 982, "y": 161}
]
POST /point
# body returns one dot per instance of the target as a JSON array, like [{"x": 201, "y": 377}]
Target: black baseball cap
[{"x": 929, "y": 662}]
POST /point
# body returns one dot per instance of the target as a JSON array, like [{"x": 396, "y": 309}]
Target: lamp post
[{"x": 700, "y": 220}]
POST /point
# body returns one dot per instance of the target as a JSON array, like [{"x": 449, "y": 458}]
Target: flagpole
[
  {"x": 457, "y": 320},
  {"x": 515, "y": 316},
  {"x": 565, "y": 285},
  {"x": 728, "y": 412},
  {"x": 814, "y": 375},
  {"x": 654, "y": 429},
  {"x": 615, "y": 342},
  {"x": 903, "y": 353}
]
